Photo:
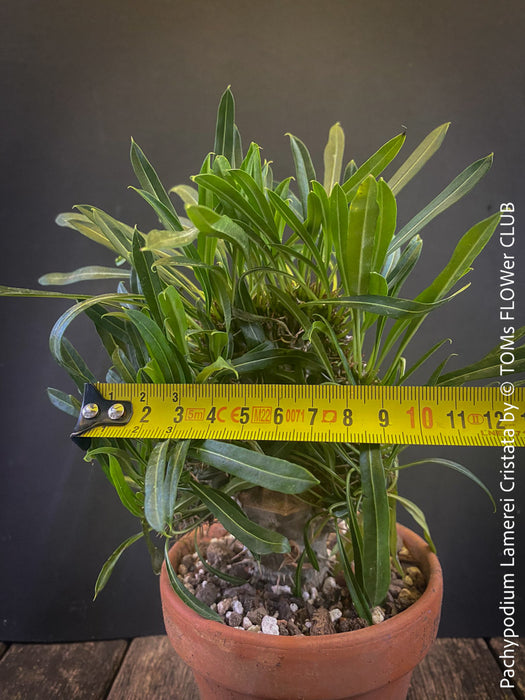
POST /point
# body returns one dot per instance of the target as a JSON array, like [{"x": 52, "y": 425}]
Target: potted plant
[{"x": 271, "y": 281}]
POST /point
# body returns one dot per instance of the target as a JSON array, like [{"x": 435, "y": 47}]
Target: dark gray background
[{"x": 80, "y": 78}]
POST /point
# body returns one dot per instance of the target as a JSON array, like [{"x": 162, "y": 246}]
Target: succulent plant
[{"x": 272, "y": 282}]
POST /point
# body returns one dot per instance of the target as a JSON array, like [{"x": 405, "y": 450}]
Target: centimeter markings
[{"x": 320, "y": 413}]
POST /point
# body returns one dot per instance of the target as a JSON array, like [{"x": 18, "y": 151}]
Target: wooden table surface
[{"x": 147, "y": 668}]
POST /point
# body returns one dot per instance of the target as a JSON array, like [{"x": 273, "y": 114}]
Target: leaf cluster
[{"x": 267, "y": 281}]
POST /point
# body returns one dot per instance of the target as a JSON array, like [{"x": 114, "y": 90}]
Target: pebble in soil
[{"x": 272, "y": 609}]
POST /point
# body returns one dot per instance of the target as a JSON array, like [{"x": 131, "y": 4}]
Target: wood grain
[
  {"x": 152, "y": 670},
  {"x": 50, "y": 671},
  {"x": 457, "y": 669}
]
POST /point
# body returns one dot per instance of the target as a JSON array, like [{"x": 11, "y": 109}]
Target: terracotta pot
[{"x": 374, "y": 663}]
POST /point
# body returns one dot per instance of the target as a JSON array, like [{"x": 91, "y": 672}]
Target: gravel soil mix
[{"x": 254, "y": 605}]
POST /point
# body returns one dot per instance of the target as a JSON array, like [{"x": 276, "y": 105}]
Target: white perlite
[
  {"x": 237, "y": 607},
  {"x": 335, "y": 614},
  {"x": 269, "y": 625},
  {"x": 378, "y": 615}
]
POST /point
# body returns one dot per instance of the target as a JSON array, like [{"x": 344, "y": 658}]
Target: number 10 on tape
[{"x": 320, "y": 413}]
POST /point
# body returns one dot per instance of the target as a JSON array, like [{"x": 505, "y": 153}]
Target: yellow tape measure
[{"x": 320, "y": 413}]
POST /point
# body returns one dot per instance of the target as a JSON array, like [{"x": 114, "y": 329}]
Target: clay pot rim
[{"x": 360, "y": 637}]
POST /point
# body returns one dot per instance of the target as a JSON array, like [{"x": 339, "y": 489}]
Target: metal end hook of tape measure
[{"x": 96, "y": 411}]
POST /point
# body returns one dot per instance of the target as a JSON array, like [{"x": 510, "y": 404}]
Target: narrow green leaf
[
  {"x": 110, "y": 563},
  {"x": 188, "y": 194},
  {"x": 375, "y": 164},
  {"x": 466, "y": 251},
  {"x": 188, "y": 598},
  {"x": 358, "y": 249},
  {"x": 263, "y": 470},
  {"x": 64, "y": 402},
  {"x": 175, "y": 319},
  {"x": 149, "y": 180},
  {"x": 457, "y": 467},
  {"x": 310, "y": 552},
  {"x": 386, "y": 224},
  {"x": 356, "y": 592},
  {"x": 175, "y": 466},
  {"x": 418, "y": 516},
  {"x": 304, "y": 169},
  {"x": 258, "y": 539},
  {"x": 168, "y": 240},
  {"x": 255, "y": 361},
  {"x": 166, "y": 216},
  {"x": 376, "y": 549},
  {"x": 417, "y": 159},
  {"x": 81, "y": 223},
  {"x": 225, "y": 126},
  {"x": 355, "y": 533},
  {"x": 155, "y": 501},
  {"x": 150, "y": 283},
  {"x": 333, "y": 157},
  {"x": 255, "y": 195},
  {"x": 384, "y": 306},
  {"x": 228, "y": 194},
  {"x": 172, "y": 364},
  {"x": 459, "y": 187},
  {"x": 126, "y": 494},
  {"x": 83, "y": 274}
]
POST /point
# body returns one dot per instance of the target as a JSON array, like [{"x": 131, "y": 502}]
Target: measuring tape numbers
[{"x": 317, "y": 413}]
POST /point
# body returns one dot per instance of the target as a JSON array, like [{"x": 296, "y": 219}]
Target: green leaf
[
  {"x": 168, "y": 240},
  {"x": 258, "y": 539},
  {"x": 163, "y": 471},
  {"x": 218, "y": 365},
  {"x": 188, "y": 194},
  {"x": 355, "y": 533},
  {"x": 356, "y": 592},
  {"x": 304, "y": 169},
  {"x": 188, "y": 598},
  {"x": 109, "y": 564},
  {"x": 417, "y": 159},
  {"x": 149, "y": 181},
  {"x": 376, "y": 518},
  {"x": 488, "y": 366},
  {"x": 166, "y": 216},
  {"x": 418, "y": 516},
  {"x": 333, "y": 157},
  {"x": 255, "y": 361},
  {"x": 466, "y": 251},
  {"x": 150, "y": 283},
  {"x": 83, "y": 274},
  {"x": 229, "y": 194},
  {"x": 263, "y": 470},
  {"x": 154, "y": 496},
  {"x": 64, "y": 402},
  {"x": 210, "y": 223},
  {"x": 126, "y": 494},
  {"x": 457, "y": 467},
  {"x": 172, "y": 364},
  {"x": 175, "y": 319},
  {"x": 386, "y": 224},
  {"x": 225, "y": 126},
  {"x": 358, "y": 249},
  {"x": 375, "y": 164},
  {"x": 255, "y": 195},
  {"x": 81, "y": 223},
  {"x": 384, "y": 306},
  {"x": 459, "y": 187}
]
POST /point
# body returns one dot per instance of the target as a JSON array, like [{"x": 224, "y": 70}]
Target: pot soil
[{"x": 374, "y": 663}]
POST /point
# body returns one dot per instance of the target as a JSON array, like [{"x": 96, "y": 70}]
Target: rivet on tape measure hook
[{"x": 316, "y": 413}]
